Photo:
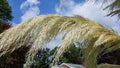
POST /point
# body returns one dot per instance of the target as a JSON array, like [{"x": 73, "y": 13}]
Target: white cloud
[
  {"x": 33, "y": 1},
  {"x": 55, "y": 42},
  {"x": 91, "y": 11},
  {"x": 29, "y": 9},
  {"x": 31, "y": 12},
  {"x": 68, "y": 5}
]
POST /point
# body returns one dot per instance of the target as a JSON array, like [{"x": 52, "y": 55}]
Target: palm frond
[{"x": 113, "y": 7}]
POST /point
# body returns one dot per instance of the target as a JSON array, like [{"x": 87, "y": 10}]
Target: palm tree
[
  {"x": 113, "y": 7},
  {"x": 39, "y": 31}
]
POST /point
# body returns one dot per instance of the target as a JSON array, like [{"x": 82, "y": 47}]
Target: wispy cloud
[
  {"x": 55, "y": 42},
  {"x": 29, "y": 9},
  {"x": 91, "y": 11},
  {"x": 64, "y": 6}
]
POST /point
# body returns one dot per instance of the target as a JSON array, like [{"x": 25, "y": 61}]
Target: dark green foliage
[
  {"x": 72, "y": 55},
  {"x": 5, "y": 11},
  {"x": 5, "y": 15},
  {"x": 42, "y": 59}
]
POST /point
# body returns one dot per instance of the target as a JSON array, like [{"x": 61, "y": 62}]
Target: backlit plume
[{"x": 39, "y": 31}]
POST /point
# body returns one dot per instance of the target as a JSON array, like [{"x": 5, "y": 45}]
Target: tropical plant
[
  {"x": 113, "y": 7},
  {"x": 93, "y": 37}
]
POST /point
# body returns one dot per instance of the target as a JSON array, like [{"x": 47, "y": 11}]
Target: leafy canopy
[{"x": 5, "y": 11}]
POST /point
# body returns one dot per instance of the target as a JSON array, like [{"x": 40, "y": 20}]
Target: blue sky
[
  {"x": 25, "y": 9},
  {"x": 45, "y": 7}
]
